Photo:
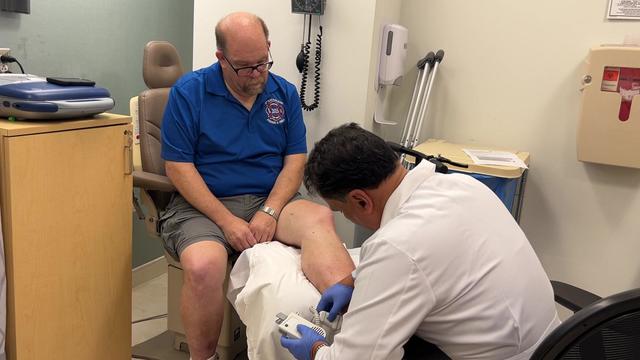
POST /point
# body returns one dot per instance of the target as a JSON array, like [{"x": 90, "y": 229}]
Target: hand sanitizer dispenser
[
  {"x": 609, "y": 126},
  {"x": 393, "y": 53}
]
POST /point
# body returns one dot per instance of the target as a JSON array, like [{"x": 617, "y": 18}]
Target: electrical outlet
[{"x": 4, "y": 67}]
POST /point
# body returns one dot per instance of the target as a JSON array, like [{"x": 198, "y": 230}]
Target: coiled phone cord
[{"x": 305, "y": 71}]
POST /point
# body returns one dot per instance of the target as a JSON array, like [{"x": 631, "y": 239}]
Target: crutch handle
[
  {"x": 440, "y": 167},
  {"x": 404, "y": 150},
  {"x": 454, "y": 163},
  {"x": 439, "y": 55},
  {"x": 428, "y": 59}
]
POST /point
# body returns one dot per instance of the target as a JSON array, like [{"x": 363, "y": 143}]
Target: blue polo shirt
[{"x": 236, "y": 151}]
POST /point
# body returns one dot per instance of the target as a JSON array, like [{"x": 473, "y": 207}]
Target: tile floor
[{"x": 149, "y": 299}]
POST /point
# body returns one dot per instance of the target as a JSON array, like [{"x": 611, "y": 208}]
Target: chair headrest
[{"x": 161, "y": 65}]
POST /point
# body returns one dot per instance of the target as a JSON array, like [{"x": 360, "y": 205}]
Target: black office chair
[
  {"x": 600, "y": 329},
  {"x": 418, "y": 349}
]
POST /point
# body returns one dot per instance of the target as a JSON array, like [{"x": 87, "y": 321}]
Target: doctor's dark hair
[{"x": 348, "y": 158}]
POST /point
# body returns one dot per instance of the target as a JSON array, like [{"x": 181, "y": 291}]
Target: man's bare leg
[
  {"x": 310, "y": 226},
  {"x": 201, "y": 306}
]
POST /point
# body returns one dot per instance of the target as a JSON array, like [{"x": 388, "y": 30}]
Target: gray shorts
[{"x": 182, "y": 225}]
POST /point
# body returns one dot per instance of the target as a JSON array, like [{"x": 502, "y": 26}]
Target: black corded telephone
[{"x": 310, "y": 8}]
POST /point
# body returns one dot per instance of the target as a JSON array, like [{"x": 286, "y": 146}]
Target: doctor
[{"x": 447, "y": 262}]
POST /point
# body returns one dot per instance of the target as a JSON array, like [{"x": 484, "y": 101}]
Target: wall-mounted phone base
[{"x": 313, "y": 7}]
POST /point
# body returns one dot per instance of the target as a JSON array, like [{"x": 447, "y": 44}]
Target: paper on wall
[{"x": 624, "y": 9}]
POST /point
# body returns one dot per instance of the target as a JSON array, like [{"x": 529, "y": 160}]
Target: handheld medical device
[
  {"x": 288, "y": 325},
  {"x": 321, "y": 318}
]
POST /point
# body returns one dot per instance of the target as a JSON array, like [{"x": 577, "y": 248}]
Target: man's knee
[
  {"x": 325, "y": 216},
  {"x": 319, "y": 215},
  {"x": 204, "y": 267}
]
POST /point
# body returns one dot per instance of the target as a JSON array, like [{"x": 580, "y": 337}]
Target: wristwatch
[{"x": 269, "y": 211}]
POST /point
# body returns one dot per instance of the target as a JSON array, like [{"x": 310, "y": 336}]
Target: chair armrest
[
  {"x": 150, "y": 181},
  {"x": 571, "y": 297}
]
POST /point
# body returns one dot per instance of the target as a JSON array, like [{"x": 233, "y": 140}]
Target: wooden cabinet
[{"x": 66, "y": 190}]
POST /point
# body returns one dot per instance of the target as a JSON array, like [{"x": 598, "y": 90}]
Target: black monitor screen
[{"x": 21, "y": 6}]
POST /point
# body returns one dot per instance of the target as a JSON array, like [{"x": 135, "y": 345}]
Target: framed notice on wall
[{"x": 624, "y": 9}]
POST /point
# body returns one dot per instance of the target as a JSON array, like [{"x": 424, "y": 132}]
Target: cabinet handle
[{"x": 128, "y": 152}]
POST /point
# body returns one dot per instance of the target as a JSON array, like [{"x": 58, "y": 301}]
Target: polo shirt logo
[{"x": 275, "y": 111}]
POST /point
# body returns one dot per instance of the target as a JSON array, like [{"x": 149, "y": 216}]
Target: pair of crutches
[{"x": 427, "y": 69}]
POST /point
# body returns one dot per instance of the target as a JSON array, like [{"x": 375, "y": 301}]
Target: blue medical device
[{"x": 24, "y": 96}]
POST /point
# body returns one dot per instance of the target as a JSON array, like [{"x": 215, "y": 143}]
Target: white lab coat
[{"x": 451, "y": 265}]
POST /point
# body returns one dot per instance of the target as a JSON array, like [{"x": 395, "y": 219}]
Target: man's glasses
[{"x": 248, "y": 70}]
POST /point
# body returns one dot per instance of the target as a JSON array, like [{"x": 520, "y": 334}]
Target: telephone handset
[{"x": 310, "y": 8}]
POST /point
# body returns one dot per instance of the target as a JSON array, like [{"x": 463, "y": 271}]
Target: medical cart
[{"x": 506, "y": 181}]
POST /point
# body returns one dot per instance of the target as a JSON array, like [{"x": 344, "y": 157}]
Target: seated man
[
  {"x": 233, "y": 140},
  {"x": 447, "y": 262}
]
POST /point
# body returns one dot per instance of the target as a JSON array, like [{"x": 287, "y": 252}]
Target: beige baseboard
[{"x": 149, "y": 270}]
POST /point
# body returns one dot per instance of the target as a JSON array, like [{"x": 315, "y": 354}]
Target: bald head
[{"x": 240, "y": 28}]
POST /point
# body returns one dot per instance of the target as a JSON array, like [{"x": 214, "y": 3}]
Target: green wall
[{"x": 100, "y": 40}]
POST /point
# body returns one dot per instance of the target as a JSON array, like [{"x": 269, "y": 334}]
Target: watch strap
[{"x": 269, "y": 211}]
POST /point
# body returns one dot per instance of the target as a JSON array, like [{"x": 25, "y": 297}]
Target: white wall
[
  {"x": 347, "y": 58},
  {"x": 510, "y": 78}
]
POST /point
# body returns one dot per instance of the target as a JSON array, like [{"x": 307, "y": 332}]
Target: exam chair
[
  {"x": 600, "y": 328},
  {"x": 161, "y": 68}
]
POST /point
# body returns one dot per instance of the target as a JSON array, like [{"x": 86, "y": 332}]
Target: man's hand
[
  {"x": 301, "y": 348},
  {"x": 263, "y": 227},
  {"x": 335, "y": 299},
  {"x": 238, "y": 233}
]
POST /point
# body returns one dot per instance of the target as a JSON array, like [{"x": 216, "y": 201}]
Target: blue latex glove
[
  {"x": 334, "y": 299},
  {"x": 301, "y": 348}
]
